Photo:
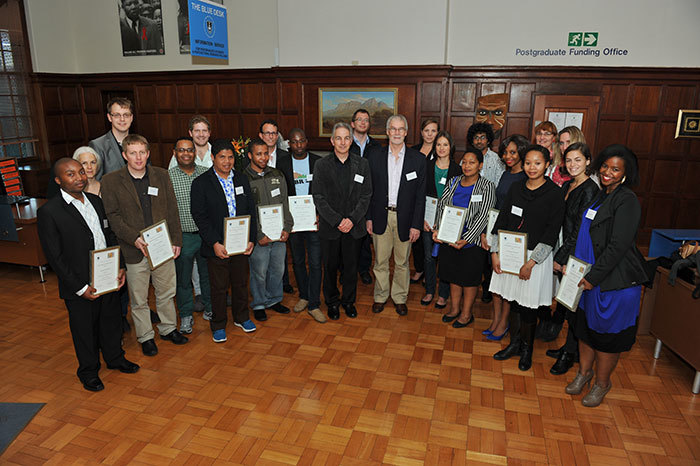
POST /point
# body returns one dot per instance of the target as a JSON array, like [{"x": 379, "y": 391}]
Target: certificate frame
[
  {"x": 500, "y": 246},
  {"x": 489, "y": 224},
  {"x": 240, "y": 217},
  {"x": 163, "y": 223},
  {"x": 290, "y": 202},
  {"x": 461, "y": 222},
  {"x": 583, "y": 268},
  {"x": 271, "y": 206},
  {"x": 92, "y": 268},
  {"x": 431, "y": 200}
]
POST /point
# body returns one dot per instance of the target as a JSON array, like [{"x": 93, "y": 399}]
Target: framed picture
[
  {"x": 688, "y": 125},
  {"x": 338, "y": 104}
]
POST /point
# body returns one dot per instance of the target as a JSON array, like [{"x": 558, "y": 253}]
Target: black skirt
[
  {"x": 463, "y": 267},
  {"x": 605, "y": 342}
]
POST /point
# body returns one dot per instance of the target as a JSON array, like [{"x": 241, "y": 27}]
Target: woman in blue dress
[{"x": 607, "y": 320}]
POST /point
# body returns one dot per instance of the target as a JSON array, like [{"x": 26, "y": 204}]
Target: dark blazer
[
  {"x": 291, "y": 188},
  {"x": 577, "y": 201},
  {"x": 430, "y": 188},
  {"x": 329, "y": 196},
  {"x": 124, "y": 212},
  {"x": 149, "y": 37},
  {"x": 67, "y": 241},
  {"x": 209, "y": 208},
  {"x": 355, "y": 149},
  {"x": 410, "y": 202},
  {"x": 618, "y": 262},
  {"x": 284, "y": 164},
  {"x": 108, "y": 148},
  {"x": 431, "y": 155}
]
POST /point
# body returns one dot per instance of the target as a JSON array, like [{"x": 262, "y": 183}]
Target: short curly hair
[
  {"x": 632, "y": 177},
  {"x": 480, "y": 128}
]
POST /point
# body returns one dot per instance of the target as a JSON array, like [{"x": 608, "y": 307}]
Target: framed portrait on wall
[
  {"x": 141, "y": 24},
  {"x": 338, "y": 104}
]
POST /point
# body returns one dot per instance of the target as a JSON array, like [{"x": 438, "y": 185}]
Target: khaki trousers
[
  {"x": 383, "y": 246},
  {"x": 138, "y": 277}
]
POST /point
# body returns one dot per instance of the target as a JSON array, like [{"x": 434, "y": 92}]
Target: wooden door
[{"x": 583, "y": 108}]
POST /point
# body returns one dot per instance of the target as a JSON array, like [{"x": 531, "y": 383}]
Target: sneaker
[
  {"x": 186, "y": 324},
  {"x": 219, "y": 336},
  {"x": 247, "y": 326},
  {"x": 300, "y": 305},
  {"x": 318, "y": 315},
  {"x": 207, "y": 315}
]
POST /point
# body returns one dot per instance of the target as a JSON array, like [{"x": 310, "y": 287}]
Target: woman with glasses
[{"x": 546, "y": 135}]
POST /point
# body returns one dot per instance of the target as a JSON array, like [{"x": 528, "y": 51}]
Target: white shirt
[
  {"x": 273, "y": 159},
  {"x": 394, "y": 167},
  {"x": 207, "y": 162},
  {"x": 87, "y": 211}
]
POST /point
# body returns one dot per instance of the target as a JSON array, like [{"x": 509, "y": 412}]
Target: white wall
[{"x": 83, "y": 36}]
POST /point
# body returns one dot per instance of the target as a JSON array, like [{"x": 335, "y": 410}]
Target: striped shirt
[{"x": 182, "y": 184}]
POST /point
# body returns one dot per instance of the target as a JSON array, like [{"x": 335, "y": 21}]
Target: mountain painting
[{"x": 337, "y": 105}]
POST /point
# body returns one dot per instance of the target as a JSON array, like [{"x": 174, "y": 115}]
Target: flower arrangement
[{"x": 240, "y": 145}]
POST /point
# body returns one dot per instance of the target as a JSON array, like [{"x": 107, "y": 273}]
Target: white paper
[
  {"x": 359, "y": 179},
  {"x": 237, "y": 234},
  {"x": 451, "y": 224},
  {"x": 443, "y": 180},
  {"x": 430, "y": 210},
  {"x": 271, "y": 221},
  {"x": 476, "y": 198},
  {"x": 152, "y": 191},
  {"x": 512, "y": 249},
  {"x": 515, "y": 210},
  {"x": 411, "y": 176},
  {"x": 105, "y": 223},
  {"x": 310, "y": 177},
  {"x": 558, "y": 118},
  {"x": 493, "y": 215},
  {"x": 275, "y": 192},
  {"x": 590, "y": 214},
  {"x": 105, "y": 270},
  {"x": 159, "y": 248},
  {"x": 239, "y": 189},
  {"x": 303, "y": 212},
  {"x": 569, "y": 292}
]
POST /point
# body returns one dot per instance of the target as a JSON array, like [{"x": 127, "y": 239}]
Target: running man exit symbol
[{"x": 575, "y": 39}]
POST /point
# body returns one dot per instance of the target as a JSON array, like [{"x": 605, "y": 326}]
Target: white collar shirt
[{"x": 394, "y": 168}]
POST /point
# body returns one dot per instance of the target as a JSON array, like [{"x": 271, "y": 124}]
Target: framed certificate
[
  {"x": 271, "y": 219},
  {"x": 303, "y": 212},
  {"x": 512, "y": 250},
  {"x": 104, "y": 270},
  {"x": 493, "y": 216},
  {"x": 160, "y": 248},
  {"x": 430, "y": 210},
  {"x": 569, "y": 293},
  {"x": 236, "y": 234},
  {"x": 451, "y": 224}
]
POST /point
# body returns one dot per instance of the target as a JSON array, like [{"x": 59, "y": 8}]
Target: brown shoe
[
  {"x": 318, "y": 315},
  {"x": 378, "y": 307},
  {"x": 401, "y": 309}
]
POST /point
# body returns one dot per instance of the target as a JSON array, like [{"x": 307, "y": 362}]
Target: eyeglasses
[
  {"x": 362, "y": 120},
  {"x": 544, "y": 133},
  {"x": 184, "y": 149},
  {"x": 270, "y": 133},
  {"x": 121, "y": 116},
  {"x": 480, "y": 137},
  {"x": 396, "y": 130}
]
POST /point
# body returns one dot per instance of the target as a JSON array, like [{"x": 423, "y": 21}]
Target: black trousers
[
  {"x": 365, "y": 256},
  {"x": 571, "y": 345},
  {"x": 224, "y": 273},
  {"x": 527, "y": 314},
  {"x": 95, "y": 326},
  {"x": 418, "y": 252},
  {"x": 343, "y": 250}
]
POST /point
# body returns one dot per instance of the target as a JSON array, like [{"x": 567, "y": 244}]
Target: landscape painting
[{"x": 337, "y": 105}]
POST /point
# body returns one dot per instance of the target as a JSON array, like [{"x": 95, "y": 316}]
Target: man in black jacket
[
  {"x": 72, "y": 224},
  {"x": 342, "y": 190},
  {"x": 218, "y": 193}
]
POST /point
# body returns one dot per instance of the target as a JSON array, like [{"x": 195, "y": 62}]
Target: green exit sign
[{"x": 583, "y": 39}]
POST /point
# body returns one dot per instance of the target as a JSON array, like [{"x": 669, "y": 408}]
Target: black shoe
[
  {"x": 419, "y": 279},
  {"x": 378, "y": 307},
  {"x": 447, "y": 319},
  {"x": 551, "y": 331},
  {"x": 280, "y": 308},
  {"x": 149, "y": 347},
  {"x": 440, "y": 306},
  {"x": 288, "y": 289},
  {"x": 260, "y": 315},
  {"x": 366, "y": 278},
  {"x": 458, "y": 324},
  {"x": 350, "y": 310},
  {"x": 401, "y": 309},
  {"x": 125, "y": 325},
  {"x": 176, "y": 337},
  {"x": 555, "y": 353},
  {"x": 513, "y": 349},
  {"x": 93, "y": 385},
  {"x": 125, "y": 366},
  {"x": 563, "y": 364},
  {"x": 486, "y": 296},
  {"x": 527, "y": 337},
  {"x": 154, "y": 318},
  {"x": 333, "y": 312}
]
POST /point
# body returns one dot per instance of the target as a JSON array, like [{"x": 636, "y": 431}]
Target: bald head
[{"x": 70, "y": 176}]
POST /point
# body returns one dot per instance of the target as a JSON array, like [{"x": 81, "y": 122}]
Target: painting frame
[
  {"x": 688, "y": 125},
  {"x": 327, "y": 116}
]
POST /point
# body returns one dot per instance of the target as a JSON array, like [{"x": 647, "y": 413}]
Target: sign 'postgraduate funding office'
[
  {"x": 578, "y": 44},
  {"x": 208, "y": 29}
]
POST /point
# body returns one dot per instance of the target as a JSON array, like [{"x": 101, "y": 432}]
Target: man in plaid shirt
[{"x": 182, "y": 176}]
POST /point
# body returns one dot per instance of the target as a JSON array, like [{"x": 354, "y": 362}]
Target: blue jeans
[
  {"x": 431, "y": 268},
  {"x": 308, "y": 243},
  {"x": 191, "y": 243},
  {"x": 266, "y": 270}
]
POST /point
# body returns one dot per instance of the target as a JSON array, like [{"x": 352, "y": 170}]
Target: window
[{"x": 16, "y": 128}]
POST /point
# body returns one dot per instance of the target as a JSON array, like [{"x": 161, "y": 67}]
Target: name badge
[
  {"x": 515, "y": 210},
  {"x": 443, "y": 180},
  {"x": 239, "y": 189},
  {"x": 590, "y": 214},
  {"x": 105, "y": 223},
  {"x": 476, "y": 198},
  {"x": 411, "y": 176},
  {"x": 309, "y": 177},
  {"x": 152, "y": 191},
  {"x": 275, "y": 192},
  {"x": 359, "y": 178}
]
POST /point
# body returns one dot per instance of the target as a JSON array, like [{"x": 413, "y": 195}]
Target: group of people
[{"x": 366, "y": 195}]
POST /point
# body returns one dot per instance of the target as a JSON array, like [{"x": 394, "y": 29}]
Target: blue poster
[{"x": 208, "y": 29}]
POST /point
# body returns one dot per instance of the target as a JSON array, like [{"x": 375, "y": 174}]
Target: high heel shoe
[
  {"x": 494, "y": 337},
  {"x": 447, "y": 319},
  {"x": 580, "y": 381},
  {"x": 486, "y": 332},
  {"x": 596, "y": 395},
  {"x": 458, "y": 324}
]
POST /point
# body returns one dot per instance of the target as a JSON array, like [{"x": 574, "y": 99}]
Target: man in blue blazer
[{"x": 396, "y": 211}]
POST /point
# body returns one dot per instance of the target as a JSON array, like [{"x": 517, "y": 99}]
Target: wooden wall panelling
[
  {"x": 521, "y": 98},
  {"x": 269, "y": 100},
  {"x": 145, "y": 99},
  {"x": 229, "y": 126},
  {"x": 463, "y": 97},
  {"x": 665, "y": 176},
  {"x": 148, "y": 127},
  {"x": 70, "y": 101},
  {"x": 186, "y": 100},
  {"x": 166, "y": 100},
  {"x": 290, "y": 98},
  {"x": 431, "y": 100},
  {"x": 640, "y": 137},
  {"x": 646, "y": 100},
  {"x": 207, "y": 98},
  {"x": 675, "y": 98},
  {"x": 74, "y": 127},
  {"x": 611, "y": 132},
  {"x": 614, "y": 99},
  {"x": 51, "y": 99},
  {"x": 251, "y": 97},
  {"x": 229, "y": 96}
]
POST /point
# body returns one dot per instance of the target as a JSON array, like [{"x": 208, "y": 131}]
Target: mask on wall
[{"x": 492, "y": 109}]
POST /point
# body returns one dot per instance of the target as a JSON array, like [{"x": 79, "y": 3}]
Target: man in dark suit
[
  {"x": 395, "y": 216},
  {"x": 120, "y": 113},
  {"x": 342, "y": 188},
  {"x": 139, "y": 34},
  {"x": 305, "y": 243},
  {"x": 219, "y": 193},
  {"x": 70, "y": 225}
]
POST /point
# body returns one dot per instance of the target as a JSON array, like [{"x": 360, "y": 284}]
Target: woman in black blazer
[{"x": 607, "y": 324}]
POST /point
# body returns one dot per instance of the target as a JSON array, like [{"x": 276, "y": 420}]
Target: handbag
[{"x": 688, "y": 248}]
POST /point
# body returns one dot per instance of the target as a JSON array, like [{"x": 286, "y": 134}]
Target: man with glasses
[
  {"x": 395, "y": 215},
  {"x": 108, "y": 146},
  {"x": 182, "y": 175}
]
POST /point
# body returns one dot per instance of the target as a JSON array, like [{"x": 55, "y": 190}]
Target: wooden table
[{"x": 28, "y": 250}]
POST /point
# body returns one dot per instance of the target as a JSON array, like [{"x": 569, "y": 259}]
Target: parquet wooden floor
[{"x": 377, "y": 389}]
